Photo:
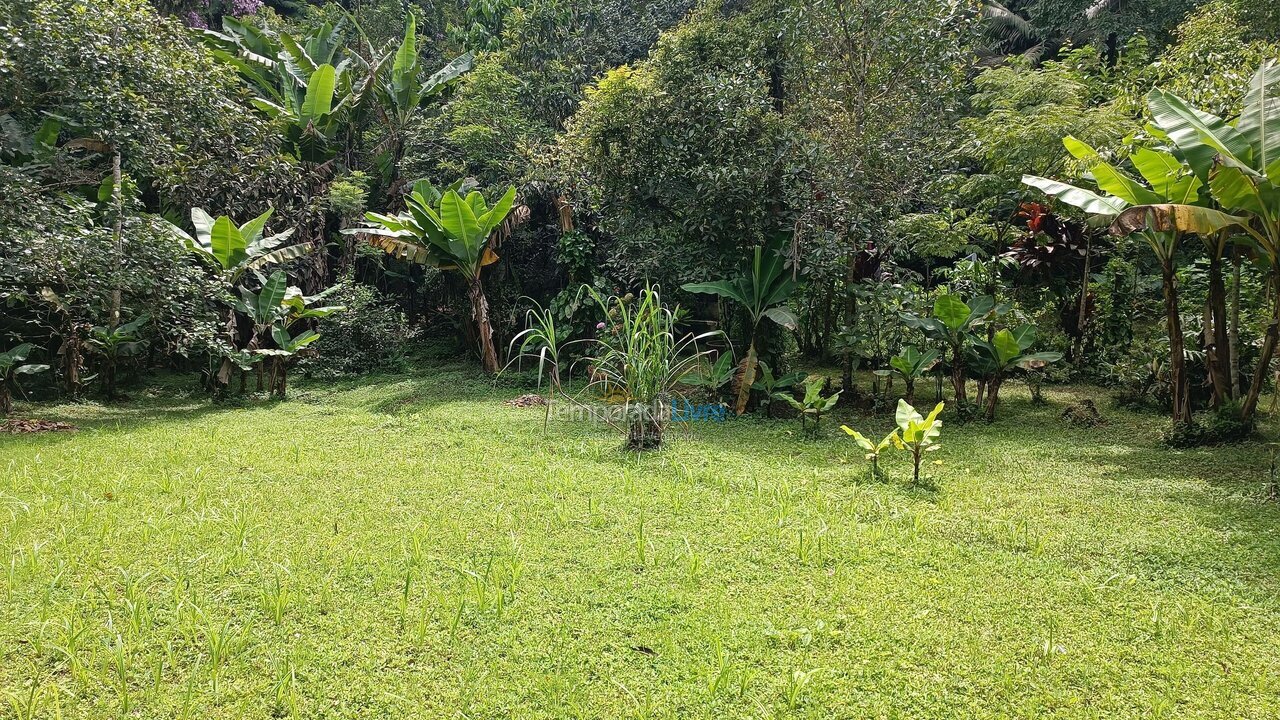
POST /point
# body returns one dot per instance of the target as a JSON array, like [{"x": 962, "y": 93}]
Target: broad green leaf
[
  {"x": 319, "y": 98},
  {"x": 1173, "y": 181},
  {"x": 447, "y": 74},
  {"x": 226, "y": 242},
  {"x": 783, "y": 317},
  {"x": 404, "y": 72},
  {"x": 1236, "y": 190},
  {"x": 1198, "y": 135},
  {"x": 458, "y": 219},
  {"x": 952, "y": 311},
  {"x": 1086, "y": 200},
  {"x": 203, "y": 223},
  {"x": 252, "y": 230},
  {"x": 270, "y": 297},
  {"x": 1259, "y": 123},
  {"x": 1007, "y": 347},
  {"x": 905, "y": 414},
  {"x": 500, "y": 210}
]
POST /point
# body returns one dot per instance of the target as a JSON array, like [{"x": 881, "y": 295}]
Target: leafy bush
[
  {"x": 1216, "y": 427},
  {"x": 371, "y": 335}
]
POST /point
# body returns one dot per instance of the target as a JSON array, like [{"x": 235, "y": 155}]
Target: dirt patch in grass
[{"x": 20, "y": 426}]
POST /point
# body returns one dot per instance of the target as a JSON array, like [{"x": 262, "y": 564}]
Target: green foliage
[
  {"x": 812, "y": 406},
  {"x": 911, "y": 365},
  {"x": 917, "y": 434},
  {"x": 371, "y": 335},
  {"x": 641, "y": 360},
  {"x": 873, "y": 449},
  {"x": 12, "y": 364}
]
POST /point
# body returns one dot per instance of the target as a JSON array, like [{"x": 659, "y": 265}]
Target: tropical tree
[
  {"x": 12, "y": 364},
  {"x": 917, "y": 434},
  {"x": 953, "y": 323},
  {"x": 1240, "y": 165},
  {"x": 1170, "y": 183},
  {"x": 234, "y": 250},
  {"x": 450, "y": 232},
  {"x": 762, "y": 290},
  {"x": 1007, "y": 350}
]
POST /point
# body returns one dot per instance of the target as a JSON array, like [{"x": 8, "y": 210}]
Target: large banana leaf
[
  {"x": 952, "y": 311},
  {"x": 1199, "y": 136},
  {"x": 252, "y": 230},
  {"x": 1086, "y": 200},
  {"x": 1110, "y": 179},
  {"x": 226, "y": 242},
  {"x": 318, "y": 101},
  {"x": 404, "y": 71},
  {"x": 1170, "y": 179},
  {"x": 1259, "y": 124},
  {"x": 1174, "y": 218},
  {"x": 270, "y": 297}
]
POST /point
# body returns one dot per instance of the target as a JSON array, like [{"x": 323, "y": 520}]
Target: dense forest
[{"x": 241, "y": 188}]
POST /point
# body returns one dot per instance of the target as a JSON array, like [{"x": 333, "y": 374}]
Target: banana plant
[
  {"x": 1004, "y": 353},
  {"x": 873, "y": 449},
  {"x": 812, "y": 407},
  {"x": 1239, "y": 163},
  {"x": 399, "y": 94},
  {"x": 282, "y": 355},
  {"x": 304, "y": 82},
  {"x": 114, "y": 345},
  {"x": 1172, "y": 190},
  {"x": 715, "y": 375},
  {"x": 237, "y": 249},
  {"x": 917, "y": 434},
  {"x": 450, "y": 232},
  {"x": 762, "y": 290},
  {"x": 952, "y": 324},
  {"x": 770, "y": 385},
  {"x": 12, "y": 364},
  {"x": 911, "y": 365}
]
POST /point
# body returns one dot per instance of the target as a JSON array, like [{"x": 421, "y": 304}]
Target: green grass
[{"x": 411, "y": 547}]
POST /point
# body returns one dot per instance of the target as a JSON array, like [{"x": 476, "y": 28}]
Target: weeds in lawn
[
  {"x": 794, "y": 687},
  {"x": 276, "y": 598}
]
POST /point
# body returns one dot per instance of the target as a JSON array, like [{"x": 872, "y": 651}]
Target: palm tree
[{"x": 450, "y": 232}]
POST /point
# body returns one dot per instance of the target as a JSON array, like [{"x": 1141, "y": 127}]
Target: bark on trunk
[
  {"x": 484, "y": 331},
  {"x": 1233, "y": 333},
  {"x": 1250, "y": 405},
  {"x": 1177, "y": 358},
  {"x": 958, "y": 379},
  {"x": 993, "y": 397},
  {"x": 6, "y": 399},
  {"x": 746, "y": 378},
  {"x": 1216, "y": 337}
]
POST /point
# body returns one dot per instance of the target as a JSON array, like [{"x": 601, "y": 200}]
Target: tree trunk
[
  {"x": 71, "y": 362},
  {"x": 1218, "y": 343},
  {"x": 480, "y": 313},
  {"x": 6, "y": 399},
  {"x": 958, "y": 379},
  {"x": 1233, "y": 333},
  {"x": 746, "y": 378},
  {"x": 117, "y": 200},
  {"x": 911, "y": 390},
  {"x": 1083, "y": 317},
  {"x": 993, "y": 397},
  {"x": 1264, "y": 359},
  {"x": 1177, "y": 357}
]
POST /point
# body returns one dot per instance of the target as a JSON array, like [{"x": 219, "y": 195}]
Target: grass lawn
[{"x": 411, "y": 547}]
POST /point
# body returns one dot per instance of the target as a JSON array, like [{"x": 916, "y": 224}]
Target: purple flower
[
  {"x": 195, "y": 20},
  {"x": 599, "y": 326},
  {"x": 238, "y": 8}
]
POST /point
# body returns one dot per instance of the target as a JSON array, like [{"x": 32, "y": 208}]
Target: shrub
[
  {"x": 1216, "y": 427},
  {"x": 372, "y": 334}
]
